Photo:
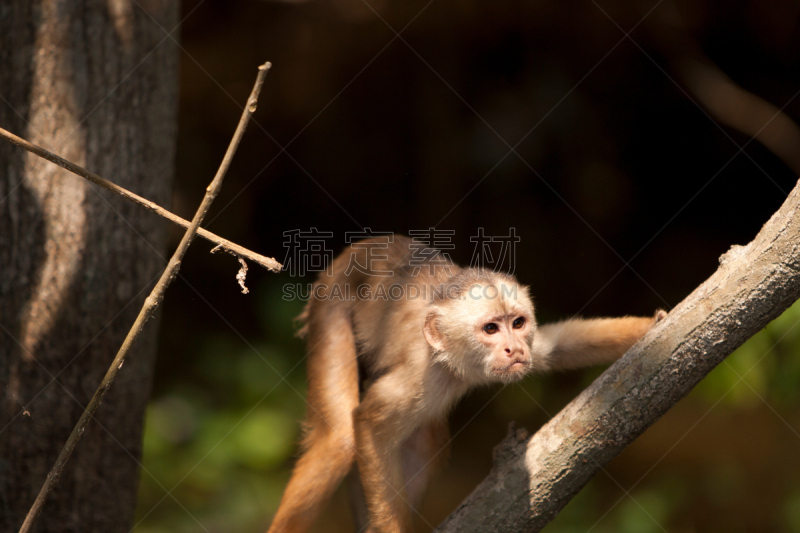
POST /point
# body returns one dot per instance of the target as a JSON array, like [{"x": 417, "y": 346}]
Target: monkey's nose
[{"x": 516, "y": 351}]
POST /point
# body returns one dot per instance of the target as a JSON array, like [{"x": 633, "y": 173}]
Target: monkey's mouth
[{"x": 516, "y": 366}]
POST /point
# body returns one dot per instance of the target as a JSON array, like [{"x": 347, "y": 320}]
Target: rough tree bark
[
  {"x": 96, "y": 82},
  {"x": 533, "y": 478}
]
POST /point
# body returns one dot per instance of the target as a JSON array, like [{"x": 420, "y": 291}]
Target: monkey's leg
[
  {"x": 358, "y": 503},
  {"x": 584, "y": 342},
  {"x": 422, "y": 455},
  {"x": 329, "y": 446},
  {"x": 383, "y": 421}
]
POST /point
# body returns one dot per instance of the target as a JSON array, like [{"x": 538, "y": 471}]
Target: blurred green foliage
[
  {"x": 615, "y": 162},
  {"x": 759, "y": 379},
  {"x": 764, "y": 370},
  {"x": 218, "y": 441},
  {"x": 218, "y": 447}
]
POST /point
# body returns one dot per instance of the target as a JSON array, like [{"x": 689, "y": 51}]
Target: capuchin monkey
[{"x": 396, "y": 336}]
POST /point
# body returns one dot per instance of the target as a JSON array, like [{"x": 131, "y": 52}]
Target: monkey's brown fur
[{"x": 385, "y": 368}]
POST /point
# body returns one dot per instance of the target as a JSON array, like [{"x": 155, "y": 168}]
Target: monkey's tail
[{"x": 301, "y": 321}]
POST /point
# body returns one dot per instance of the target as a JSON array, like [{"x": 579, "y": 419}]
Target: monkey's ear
[{"x": 432, "y": 333}]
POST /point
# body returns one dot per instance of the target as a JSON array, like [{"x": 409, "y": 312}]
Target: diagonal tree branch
[
  {"x": 224, "y": 244},
  {"x": 533, "y": 478}
]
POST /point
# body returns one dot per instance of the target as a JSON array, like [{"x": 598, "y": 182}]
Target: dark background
[{"x": 624, "y": 190}]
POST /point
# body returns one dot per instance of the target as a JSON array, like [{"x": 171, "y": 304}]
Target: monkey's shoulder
[{"x": 386, "y": 332}]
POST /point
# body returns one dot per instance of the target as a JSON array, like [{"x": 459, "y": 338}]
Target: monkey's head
[{"x": 482, "y": 327}]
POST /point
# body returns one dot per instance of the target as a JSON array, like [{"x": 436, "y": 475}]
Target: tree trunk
[{"x": 95, "y": 82}]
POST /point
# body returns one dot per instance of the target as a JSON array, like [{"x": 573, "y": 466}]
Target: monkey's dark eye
[
  {"x": 518, "y": 323},
  {"x": 490, "y": 328}
]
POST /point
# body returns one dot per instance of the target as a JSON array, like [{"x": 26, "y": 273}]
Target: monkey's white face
[
  {"x": 484, "y": 339},
  {"x": 506, "y": 341}
]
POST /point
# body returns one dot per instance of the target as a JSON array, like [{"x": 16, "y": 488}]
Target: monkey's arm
[{"x": 580, "y": 342}]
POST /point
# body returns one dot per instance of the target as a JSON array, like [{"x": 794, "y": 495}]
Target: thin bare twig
[
  {"x": 149, "y": 307},
  {"x": 742, "y": 110},
  {"x": 223, "y": 244},
  {"x": 721, "y": 97}
]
